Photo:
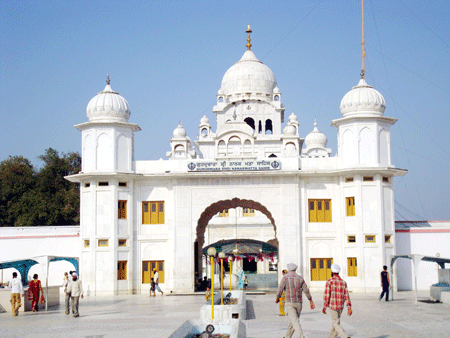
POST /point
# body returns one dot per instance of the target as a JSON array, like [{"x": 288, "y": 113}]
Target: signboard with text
[{"x": 234, "y": 165}]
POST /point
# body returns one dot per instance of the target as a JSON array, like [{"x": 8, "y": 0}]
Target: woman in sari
[{"x": 35, "y": 288}]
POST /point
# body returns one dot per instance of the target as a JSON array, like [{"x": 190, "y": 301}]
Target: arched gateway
[
  {"x": 222, "y": 208},
  {"x": 140, "y": 215}
]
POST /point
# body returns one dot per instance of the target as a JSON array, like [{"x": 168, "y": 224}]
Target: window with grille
[
  {"x": 350, "y": 202},
  {"x": 122, "y": 242},
  {"x": 319, "y": 210},
  {"x": 368, "y": 178},
  {"x": 387, "y": 239},
  {"x": 352, "y": 267},
  {"x": 148, "y": 271},
  {"x": 121, "y": 270},
  {"x": 248, "y": 212},
  {"x": 103, "y": 242},
  {"x": 351, "y": 239},
  {"x": 122, "y": 209},
  {"x": 224, "y": 213},
  {"x": 87, "y": 243},
  {"x": 370, "y": 239},
  {"x": 153, "y": 212},
  {"x": 321, "y": 268},
  {"x": 348, "y": 179}
]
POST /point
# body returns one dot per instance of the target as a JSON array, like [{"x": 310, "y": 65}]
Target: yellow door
[
  {"x": 146, "y": 272},
  {"x": 314, "y": 269},
  {"x": 153, "y": 213},
  {"x": 312, "y": 211},
  {"x": 327, "y": 211},
  {"x": 161, "y": 213}
]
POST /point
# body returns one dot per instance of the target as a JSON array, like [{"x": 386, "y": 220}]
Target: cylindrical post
[
  {"x": 212, "y": 287},
  {"x": 230, "y": 274},
  {"x": 221, "y": 281}
]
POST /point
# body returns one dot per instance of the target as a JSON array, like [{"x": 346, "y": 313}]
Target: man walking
[
  {"x": 16, "y": 290},
  {"x": 293, "y": 285},
  {"x": 75, "y": 290},
  {"x": 385, "y": 283},
  {"x": 336, "y": 294},
  {"x": 156, "y": 278}
]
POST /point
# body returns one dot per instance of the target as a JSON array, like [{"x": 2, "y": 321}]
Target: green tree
[
  {"x": 29, "y": 197},
  {"x": 59, "y": 199},
  {"x": 17, "y": 177}
]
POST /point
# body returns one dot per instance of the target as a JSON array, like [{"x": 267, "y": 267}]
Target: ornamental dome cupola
[
  {"x": 363, "y": 100},
  {"x": 204, "y": 121},
  {"x": 248, "y": 76},
  {"x": 108, "y": 106},
  {"x": 179, "y": 132},
  {"x": 291, "y": 126},
  {"x": 316, "y": 138}
]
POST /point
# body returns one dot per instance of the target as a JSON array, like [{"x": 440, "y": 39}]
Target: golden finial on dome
[
  {"x": 107, "y": 80},
  {"x": 248, "y": 31},
  {"x": 363, "y": 42}
]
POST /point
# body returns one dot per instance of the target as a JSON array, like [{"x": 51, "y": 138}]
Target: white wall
[{"x": 423, "y": 243}]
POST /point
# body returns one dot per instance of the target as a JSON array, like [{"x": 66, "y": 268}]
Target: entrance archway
[{"x": 217, "y": 207}]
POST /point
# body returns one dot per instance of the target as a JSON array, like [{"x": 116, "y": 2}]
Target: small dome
[
  {"x": 316, "y": 138},
  {"x": 179, "y": 131},
  {"x": 363, "y": 99},
  {"x": 248, "y": 75},
  {"x": 276, "y": 90},
  {"x": 108, "y": 106},
  {"x": 293, "y": 118},
  {"x": 220, "y": 92},
  {"x": 289, "y": 130},
  {"x": 204, "y": 120}
]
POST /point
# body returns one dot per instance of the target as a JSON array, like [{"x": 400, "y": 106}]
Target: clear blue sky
[{"x": 167, "y": 58}]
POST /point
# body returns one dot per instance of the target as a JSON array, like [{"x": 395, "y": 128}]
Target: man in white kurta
[
  {"x": 16, "y": 291},
  {"x": 75, "y": 289}
]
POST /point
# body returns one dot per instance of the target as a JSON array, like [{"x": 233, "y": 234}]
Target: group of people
[
  {"x": 73, "y": 290},
  {"x": 289, "y": 297},
  {"x": 35, "y": 293},
  {"x": 335, "y": 296}
]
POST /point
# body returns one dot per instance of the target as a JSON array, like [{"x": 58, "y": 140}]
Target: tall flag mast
[{"x": 363, "y": 42}]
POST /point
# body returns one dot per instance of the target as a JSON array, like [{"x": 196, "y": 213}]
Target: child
[
  {"x": 208, "y": 293},
  {"x": 152, "y": 288}
]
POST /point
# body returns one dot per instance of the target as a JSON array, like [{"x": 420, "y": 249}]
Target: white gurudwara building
[{"x": 252, "y": 180}]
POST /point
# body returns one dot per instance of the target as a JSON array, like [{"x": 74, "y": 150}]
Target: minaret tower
[
  {"x": 366, "y": 189},
  {"x": 106, "y": 194},
  {"x": 364, "y": 131}
]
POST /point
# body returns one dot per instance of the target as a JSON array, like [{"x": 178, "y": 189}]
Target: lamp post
[
  {"x": 212, "y": 253},
  {"x": 221, "y": 256}
]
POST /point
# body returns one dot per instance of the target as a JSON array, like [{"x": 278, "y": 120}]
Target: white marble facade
[{"x": 249, "y": 161}]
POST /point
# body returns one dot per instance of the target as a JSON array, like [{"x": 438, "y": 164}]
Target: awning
[
  {"x": 246, "y": 246},
  {"x": 416, "y": 259},
  {"x": 24, "y": 266}
]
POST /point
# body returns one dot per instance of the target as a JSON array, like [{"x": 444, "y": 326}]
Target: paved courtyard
[{"x": 158, "y": 317}]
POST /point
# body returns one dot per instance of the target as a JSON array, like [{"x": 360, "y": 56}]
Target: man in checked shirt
[
  {"x": 336, "y": 294},
  {"x": 294, "y": 285}
]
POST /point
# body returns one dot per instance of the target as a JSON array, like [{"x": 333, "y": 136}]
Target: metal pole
[
  {"x": 221, "y": 281},
  {"x": 212, "y": 287},
  {"x": 230, "y": 274}
]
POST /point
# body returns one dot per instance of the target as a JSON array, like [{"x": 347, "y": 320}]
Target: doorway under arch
[{"x": 218, "y": 207}]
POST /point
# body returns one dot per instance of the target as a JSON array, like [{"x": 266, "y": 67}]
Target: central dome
[{"x": 248, "y": 75}]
